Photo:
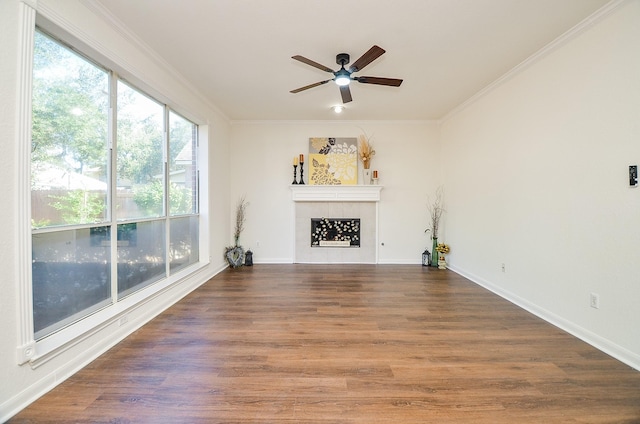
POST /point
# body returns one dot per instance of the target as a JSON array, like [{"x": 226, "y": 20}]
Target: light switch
[{"x": 633, "y": 175}]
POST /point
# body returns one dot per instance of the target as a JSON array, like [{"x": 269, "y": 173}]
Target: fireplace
[
  {"x": 335, "y": 232},
  {"x": 340, "y": 205}
]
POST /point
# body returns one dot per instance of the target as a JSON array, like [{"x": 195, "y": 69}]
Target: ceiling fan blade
[
  {"x": 312, "y": 63},
  {"x": 306, "y": 87},
  {"x": 379, "y": 81},
  {"x": 345, "y": 92},
  {"x": 372, "y": 54}
]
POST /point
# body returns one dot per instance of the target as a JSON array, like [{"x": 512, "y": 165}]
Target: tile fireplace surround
[{"x": 353, "y": 201}]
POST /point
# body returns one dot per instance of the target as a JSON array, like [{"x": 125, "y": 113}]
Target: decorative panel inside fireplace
[{"x": 335, "y": 232}]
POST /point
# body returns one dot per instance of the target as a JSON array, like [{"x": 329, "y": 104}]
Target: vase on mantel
[
  {"x": 366, "y": 176},
  {"x": 434, "y": 252}
]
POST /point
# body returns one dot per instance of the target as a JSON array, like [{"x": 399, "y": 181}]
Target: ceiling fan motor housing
[{"x": 342, "y": 59}]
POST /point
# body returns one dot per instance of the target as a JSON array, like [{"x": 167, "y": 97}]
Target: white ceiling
[{"x": 237, "y": 53}]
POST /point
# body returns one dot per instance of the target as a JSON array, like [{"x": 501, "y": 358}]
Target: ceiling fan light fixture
[{"x": 342, "y": 77}]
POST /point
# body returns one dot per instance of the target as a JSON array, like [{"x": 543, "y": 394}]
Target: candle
[
  {"x": 301, "y": 158},
  {"x": 295, "y": 161},
  {"x": 375, "y": 174}
]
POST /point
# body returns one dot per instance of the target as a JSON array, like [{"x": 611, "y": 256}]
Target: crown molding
[
  {"x": 332, "y": 121},
  {"x": 31, "y": 3},
  {"x": 562, "y": 40}
]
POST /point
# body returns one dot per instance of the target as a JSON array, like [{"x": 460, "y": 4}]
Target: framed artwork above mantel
[{"x": 333, "y": 161}]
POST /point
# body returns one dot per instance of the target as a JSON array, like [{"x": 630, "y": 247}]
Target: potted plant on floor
[
  {"x": 442, "y": 249},
  {"x": 235, "y": 254}
]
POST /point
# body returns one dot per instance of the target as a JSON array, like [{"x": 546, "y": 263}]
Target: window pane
[
  {"x": 69, "y": 154},
  {"x": 141, "y": 255},
  {"x": 140, "y": 150},
  {"x": 71, "y": 276},
  {"x": 154, "y": 156},
  {"x": 184, "y": 242},
  {"x": 182, "y": 166}
]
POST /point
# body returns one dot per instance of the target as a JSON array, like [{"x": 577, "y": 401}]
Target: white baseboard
[
  {"x": 272, "y": 261},
  {"x": 607, "y": 346}
]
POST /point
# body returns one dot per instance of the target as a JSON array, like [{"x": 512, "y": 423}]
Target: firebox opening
[{"x": 335, "y": 232}]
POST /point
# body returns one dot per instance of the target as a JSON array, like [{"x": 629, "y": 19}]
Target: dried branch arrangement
[
  {"x": 365, "y": 151},
  {"x": 240, "y": 218},
  {"x": 436, "y": 209}
]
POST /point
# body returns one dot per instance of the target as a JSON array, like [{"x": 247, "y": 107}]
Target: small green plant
[
  {"x": 41, "y": 223},
  {"x": 80, "y": 207},
  {"x": 149, "y": 198}
]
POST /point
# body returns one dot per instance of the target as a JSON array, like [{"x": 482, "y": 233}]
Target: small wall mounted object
[{"x": 633, "y": 176}]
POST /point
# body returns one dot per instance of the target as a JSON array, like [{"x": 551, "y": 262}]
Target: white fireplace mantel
[{"x": 336, "y": 193}]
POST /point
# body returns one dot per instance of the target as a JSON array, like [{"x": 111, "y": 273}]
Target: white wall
[
  {"x": 536, "y": 177},
  {"x": 19, "y": 385},
  {"x": 261, "y": 169}
]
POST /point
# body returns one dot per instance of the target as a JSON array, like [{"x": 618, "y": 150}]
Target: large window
[{"x": 114, "y": 204}]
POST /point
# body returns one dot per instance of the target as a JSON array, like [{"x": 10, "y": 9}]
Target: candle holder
[
  {"x": 301, "y": 172},
  {"x": 294, "y": 174}
]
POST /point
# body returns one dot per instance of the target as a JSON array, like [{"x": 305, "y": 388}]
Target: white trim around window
[
  {"x": 26, "y": 343},
  {"x": 126, "y": 315}
]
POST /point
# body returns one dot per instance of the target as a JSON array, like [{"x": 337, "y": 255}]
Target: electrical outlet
[
  {"x": 123, "y": 320},
  {"x": 257, "y": 243},
  {"x": 504, "y": 268},
  {"x": 594, "y": 300}
]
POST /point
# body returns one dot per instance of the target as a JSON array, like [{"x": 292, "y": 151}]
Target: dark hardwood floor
[{"x": 345, "y": 344}]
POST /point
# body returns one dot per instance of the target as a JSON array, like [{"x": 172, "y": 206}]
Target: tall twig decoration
[
  {"x": 240, "y": 219},
  {"x": 436, "y": 209}
]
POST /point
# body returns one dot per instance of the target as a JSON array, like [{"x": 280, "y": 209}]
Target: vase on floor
[{"x": 434, "y": 252}]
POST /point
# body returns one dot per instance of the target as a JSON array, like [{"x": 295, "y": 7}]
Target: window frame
[{"x": 37, "y": 352}]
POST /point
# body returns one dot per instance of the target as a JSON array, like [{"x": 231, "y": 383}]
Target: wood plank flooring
[{"x": 345, "y": 344}]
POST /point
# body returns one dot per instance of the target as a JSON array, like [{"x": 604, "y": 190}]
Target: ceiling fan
[{"x": 343, "y": 76}]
